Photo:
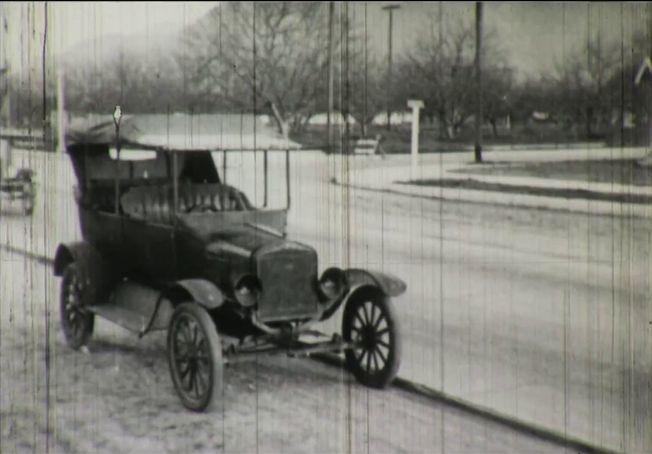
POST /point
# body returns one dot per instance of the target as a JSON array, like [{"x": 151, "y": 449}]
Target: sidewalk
[{"x": 386, "y": 175}]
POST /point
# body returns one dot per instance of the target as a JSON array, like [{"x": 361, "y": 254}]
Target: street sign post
[{"x": 415, "y": 105}]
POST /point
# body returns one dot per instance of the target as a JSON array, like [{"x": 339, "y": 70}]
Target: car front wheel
[
  {"x": 76, "y": 322},
  {"x": 370, "y": 325},
  {"x": 195, "y": 357}
]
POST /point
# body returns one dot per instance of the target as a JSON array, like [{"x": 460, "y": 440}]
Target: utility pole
[
  {"x": 478, "y": 81},
  {"x": 366, "y": 67},
  {"x": 47, "y": 130},
  {"x": 329, "y": 128},
  {"x": 346, "y": 109},
  {"x": 5, "y": 108},
  {"x": 390, "y": 9}
]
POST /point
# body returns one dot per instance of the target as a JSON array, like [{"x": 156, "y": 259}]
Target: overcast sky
[
  {"x": 73, "y": 24},
  {"x": 534, "y": 34}
]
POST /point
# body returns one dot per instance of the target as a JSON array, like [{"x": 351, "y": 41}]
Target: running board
[
  {"x": 128, "y": 319},
  {"x": 136, "y": 308}
]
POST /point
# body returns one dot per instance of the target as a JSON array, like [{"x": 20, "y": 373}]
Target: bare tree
[
  {"x": 498, "y": 93},
  {"x": 367, "y": 85},
  {"x": 440, "y": 71},
  {"x": 140, "y": 85},
  {"x": 582, "y": 79},
  {"x": 259, "y": 57},
  {"x": 367, "y": 97}
]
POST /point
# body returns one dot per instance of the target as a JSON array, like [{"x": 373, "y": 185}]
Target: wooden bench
[{"x": 366, "y": 146}]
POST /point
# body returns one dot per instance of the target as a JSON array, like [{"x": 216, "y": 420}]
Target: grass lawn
[
  {"x": 547, "y": 192},
  {"x": 398, "y": 139},
  {"x": 623, "y": 172},
  {"x": 620, "y": 171}
]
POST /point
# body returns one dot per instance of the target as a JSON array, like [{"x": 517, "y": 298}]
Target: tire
[
  {"x": 195, "y": 358},
  {"x": 76, "y": 322},
  {"x": 370, "y": 323}
]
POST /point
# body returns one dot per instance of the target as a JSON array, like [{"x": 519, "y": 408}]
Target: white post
[{"x": 415, "y": 105}]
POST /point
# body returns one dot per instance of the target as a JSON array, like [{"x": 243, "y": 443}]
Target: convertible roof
[{"x": 179, "y": 132}]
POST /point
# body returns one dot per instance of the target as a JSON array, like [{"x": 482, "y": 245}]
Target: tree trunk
[
  {"x": 443, "y": 126},
  {"x": 494, "y": 128},
  {"x": 305, "y": 122},
  {"x": 282, "y": 124}
]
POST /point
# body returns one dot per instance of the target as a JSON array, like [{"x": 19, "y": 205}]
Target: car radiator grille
[{"x": 288, "y": 279}]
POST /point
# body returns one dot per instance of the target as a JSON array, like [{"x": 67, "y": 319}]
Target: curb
[
  {"x": 519, "y": 425},
  {"x": 536, "y": 202}
]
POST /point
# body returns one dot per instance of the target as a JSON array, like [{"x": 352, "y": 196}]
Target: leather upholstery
[{"x": 154, "y": 203}]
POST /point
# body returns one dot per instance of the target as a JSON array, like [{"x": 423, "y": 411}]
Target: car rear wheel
[
  {"x": 195, "y": 357},
  {"x": 77, "y": 323},
  {"x": 370, "y": 324}
]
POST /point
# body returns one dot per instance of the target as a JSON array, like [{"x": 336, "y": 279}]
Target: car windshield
[
  {"x": 262, "y": 180},
  {"x": 103, "y": 166},
  {"x": 132, "y": 154}
]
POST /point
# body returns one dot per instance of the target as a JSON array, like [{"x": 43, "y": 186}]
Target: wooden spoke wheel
[
  {"x": 195, "y": 357},
  {"x": 76, "y": 321},
  {"x": 370, "y": 324}
]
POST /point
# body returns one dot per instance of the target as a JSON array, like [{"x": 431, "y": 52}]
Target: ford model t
[{"x": 167, "y": 244}]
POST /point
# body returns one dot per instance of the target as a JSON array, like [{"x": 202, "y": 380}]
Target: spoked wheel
[
  {"x": 370, "y": 324},
  {"x": 76, "y": 321},
  {"x": 195, "y": 357}
]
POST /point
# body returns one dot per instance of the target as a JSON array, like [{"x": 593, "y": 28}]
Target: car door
[
  {"x": 149, "y": 236},
  {"x": 150, "y": 248}
]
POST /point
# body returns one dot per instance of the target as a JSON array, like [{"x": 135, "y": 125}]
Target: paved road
[{"x": 541, "y": 315}]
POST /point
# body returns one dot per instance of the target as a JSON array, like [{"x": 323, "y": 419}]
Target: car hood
[{"x": 244, "y": 241}]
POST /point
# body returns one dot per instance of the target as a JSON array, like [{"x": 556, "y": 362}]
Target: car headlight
[
  {"x": 332, "y": 283},
  {"x": 247, "y": 291}
]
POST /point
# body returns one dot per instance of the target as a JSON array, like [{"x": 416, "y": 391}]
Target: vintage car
[
  {"x": 168, "y": 245},
  {"x": 20, "y": 186}
]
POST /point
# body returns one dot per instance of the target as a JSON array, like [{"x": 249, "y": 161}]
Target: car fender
[
  {"x": 360, "y": 281},
  {"x": 96, "y": 273},
  {"x": 389, "y": 284},
  {"x": 199, "y": 290}
]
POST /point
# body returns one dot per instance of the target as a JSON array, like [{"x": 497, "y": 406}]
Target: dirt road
[{"x": 118, "y": 396}]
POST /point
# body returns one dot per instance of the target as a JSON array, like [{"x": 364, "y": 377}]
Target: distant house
[
  {"x": 541, "y": 116},
  {"x": 397, "y": 118},
  {"x": 321, "y": 119}
]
